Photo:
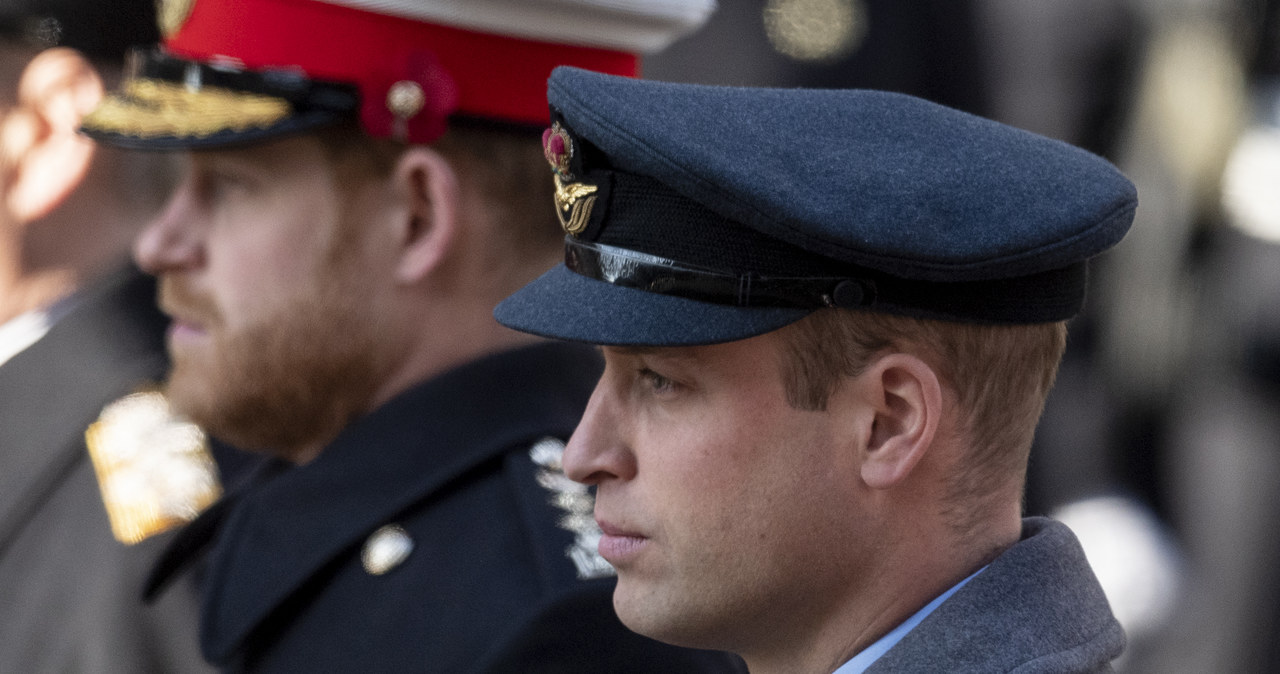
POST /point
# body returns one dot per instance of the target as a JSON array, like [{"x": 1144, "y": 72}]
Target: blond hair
[{"x": 1000, "y": 374}]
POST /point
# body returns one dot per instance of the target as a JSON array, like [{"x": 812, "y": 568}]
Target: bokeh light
[{"x": 815, "y": 30}]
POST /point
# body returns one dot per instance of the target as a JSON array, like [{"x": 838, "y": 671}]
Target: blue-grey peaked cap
[{"x": 874, "y": 200}]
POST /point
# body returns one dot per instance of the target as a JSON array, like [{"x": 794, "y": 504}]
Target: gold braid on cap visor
[{"x": 148, "y": 108}]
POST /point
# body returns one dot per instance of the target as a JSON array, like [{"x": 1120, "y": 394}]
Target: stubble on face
[
  {"x": 290, "y": 379},
  {"x": 744, "y": 498}
]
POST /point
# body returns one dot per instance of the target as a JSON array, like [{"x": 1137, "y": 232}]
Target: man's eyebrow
[
  {"x": 673, "y": 352},
  {"x": 629, "y": 350}
]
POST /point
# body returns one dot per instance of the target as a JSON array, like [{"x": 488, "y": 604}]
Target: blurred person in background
[
  {"x": 1072, "y": 70},
  {"x": 1172, "y": 385},
  {"x": 363, "y": 182},
  {"x": 926, "y": 48},
  {"x": 83, "y": 515},
  {"x": 1215, "y": 165}
]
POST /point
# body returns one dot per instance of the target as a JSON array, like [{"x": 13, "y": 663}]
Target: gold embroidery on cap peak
[
  {"x": 154, "y": 470},
  {"x": 573, "y": 204},
  {"x": 149, "y": 108}
]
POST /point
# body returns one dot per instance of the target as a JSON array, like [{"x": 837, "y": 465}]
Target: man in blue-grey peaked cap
[{"x": 830, "y": 320}]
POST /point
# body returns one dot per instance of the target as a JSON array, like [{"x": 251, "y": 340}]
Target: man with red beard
[{"x": 361, "y": 186}]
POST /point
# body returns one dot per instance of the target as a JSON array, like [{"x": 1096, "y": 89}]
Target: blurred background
[{"x": 1161, "y": 442}]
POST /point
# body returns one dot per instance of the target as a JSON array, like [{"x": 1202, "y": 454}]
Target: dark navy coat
[
  {"x": 490, "y": 583},
  {"x": 69, "y": 592},
  {"x": 1036, "y": 609}
]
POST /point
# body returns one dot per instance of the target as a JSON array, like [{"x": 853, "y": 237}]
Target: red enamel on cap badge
[
  {"x": 573, "y": 200},
  {"x": 557, "y": 147}
]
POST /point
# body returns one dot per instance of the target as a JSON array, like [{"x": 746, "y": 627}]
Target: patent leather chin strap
[{"x": 654, "y": 274}]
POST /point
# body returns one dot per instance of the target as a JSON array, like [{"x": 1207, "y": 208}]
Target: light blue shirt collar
[{"x": 870, "y": 654}]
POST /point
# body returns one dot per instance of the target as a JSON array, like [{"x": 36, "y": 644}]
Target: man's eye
[
  {"x": 214, "y": 186},
  {"x": 656, "y": 382}
]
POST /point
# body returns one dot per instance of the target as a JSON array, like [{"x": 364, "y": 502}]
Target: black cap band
[
  {"x": 644, "y": 235},
  {"x": 1049, "y": 296},
  {"x": 654, "y": 274},
  {"x": 302, "y": 92}
]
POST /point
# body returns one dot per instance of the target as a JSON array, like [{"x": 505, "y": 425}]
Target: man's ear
[
  {"x": 428, "y": 224},
  {"x": 905, "y": 396},
  {"x": 45, "y": 157}
]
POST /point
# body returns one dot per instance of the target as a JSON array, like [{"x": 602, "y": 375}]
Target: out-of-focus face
[
  {"x": 726, "y": 512},
  {"x": 273, "y": 339}
]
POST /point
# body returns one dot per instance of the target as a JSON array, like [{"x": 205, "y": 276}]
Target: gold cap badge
[
  {"x": 154, "y": 469},
  {"x": 574, "y": 200},
  {"x": 557, "y": 147}
]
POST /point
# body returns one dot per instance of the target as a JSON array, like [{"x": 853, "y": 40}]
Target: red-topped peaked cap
[{"x": 237, "y": 71}]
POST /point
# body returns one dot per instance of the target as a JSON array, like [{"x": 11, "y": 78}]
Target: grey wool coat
[
  {"x": 1037, "y": 609},
  {"x": 70, "y": 594}
]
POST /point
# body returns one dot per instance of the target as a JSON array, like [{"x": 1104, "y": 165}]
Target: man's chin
[
  {"x": 655, "y": 610},
  {"x": 248, "y": 419},
  {"x": 204, "y": 411},
  {"x": 201, "y": 394},
  {"x": 189, "y": 397}
]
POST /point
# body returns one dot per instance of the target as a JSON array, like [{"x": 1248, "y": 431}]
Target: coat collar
[
  {"x": 285, "y": 529},
  {"x": 110, "y": 344},
  {"x": 1038, "y": 601}
]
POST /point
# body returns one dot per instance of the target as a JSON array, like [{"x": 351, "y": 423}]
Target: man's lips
[
  {"x": 192, "y": 313},
  {"x": 185, "y": 329},
  {"x": 618, "y": 545}
]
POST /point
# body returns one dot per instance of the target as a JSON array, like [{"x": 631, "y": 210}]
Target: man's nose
[
  {"x": 170, "y": 242},
  {"x": 598, "y": 451}
]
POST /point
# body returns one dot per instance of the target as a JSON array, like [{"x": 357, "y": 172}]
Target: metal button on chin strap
[{"x": 848, "y": 294}]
